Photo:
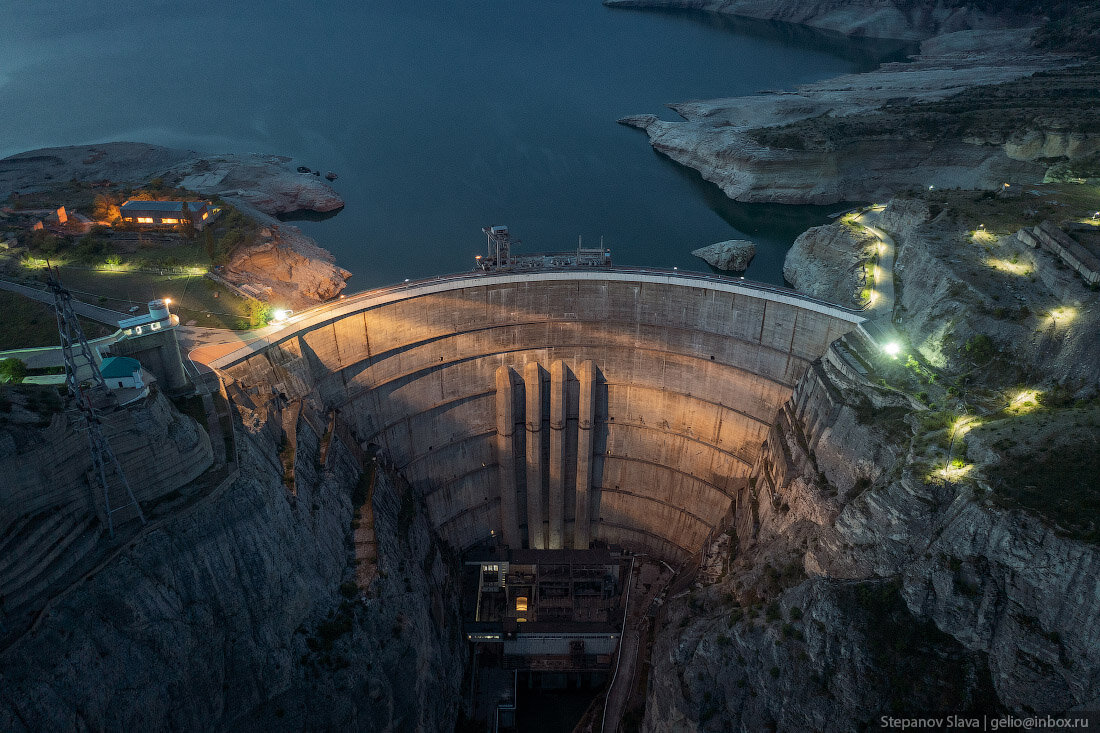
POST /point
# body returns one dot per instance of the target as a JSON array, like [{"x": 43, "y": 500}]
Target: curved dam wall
[{"x": 558, "y": 408}]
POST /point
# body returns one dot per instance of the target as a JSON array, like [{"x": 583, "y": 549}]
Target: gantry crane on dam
[{"x": 499, "y": 257}]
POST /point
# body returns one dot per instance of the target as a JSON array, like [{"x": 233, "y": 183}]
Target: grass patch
[
  {"x": 1069, "y": 99},
  {"x": 29, "y": 323},
  {"x": 1058, "y": 483},
  {"x": 194, "y": 297}
]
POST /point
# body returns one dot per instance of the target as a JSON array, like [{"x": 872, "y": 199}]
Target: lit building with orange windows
[{"x": 169, "y": 213}]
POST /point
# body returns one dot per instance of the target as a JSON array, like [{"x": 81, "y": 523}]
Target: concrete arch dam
[{"x": 558, "y": 408}]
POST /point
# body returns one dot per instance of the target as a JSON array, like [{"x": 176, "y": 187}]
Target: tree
[{"x": 12, "y": 370}]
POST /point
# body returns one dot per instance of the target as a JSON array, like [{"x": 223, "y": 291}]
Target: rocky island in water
[{"x": 589, "y": 500}]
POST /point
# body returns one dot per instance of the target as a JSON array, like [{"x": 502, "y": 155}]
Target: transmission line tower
[{"x": 78, "y": 356}]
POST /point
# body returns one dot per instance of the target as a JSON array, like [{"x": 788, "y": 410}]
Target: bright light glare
[
  {"x": 1025, "y": 400},
  {"x": 892, "y": 348},
  {"x": 1013, "y": 268},
  {"x": 279, "y": 316},
  {"x": 1063, "y": 314},
  {"x": 965, "y": 424},
  {"x": 954, "y": 472}
]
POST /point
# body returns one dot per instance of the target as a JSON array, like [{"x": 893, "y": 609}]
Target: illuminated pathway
[{"x": 882, "y": 297}]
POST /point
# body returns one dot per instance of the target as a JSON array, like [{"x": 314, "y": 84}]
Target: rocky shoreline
[
  {"x": 721, "y": 138},
  {"x": 262, "y": 187},
  {"x": 892, "y": 19}
]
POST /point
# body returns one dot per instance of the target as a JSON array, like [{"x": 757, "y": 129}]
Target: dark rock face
[{"x": 232, "y": 616}]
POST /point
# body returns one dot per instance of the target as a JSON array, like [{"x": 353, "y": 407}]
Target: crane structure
[{"x": 91, "y": 394}]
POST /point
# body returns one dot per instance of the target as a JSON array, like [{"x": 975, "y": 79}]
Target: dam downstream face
[{"x": 559, "y": 408}]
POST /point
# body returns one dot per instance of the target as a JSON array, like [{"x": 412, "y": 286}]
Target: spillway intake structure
[{"x": 557, "y": 409}]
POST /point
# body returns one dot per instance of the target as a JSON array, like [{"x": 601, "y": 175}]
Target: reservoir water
[{"x": 439, "y": 117}]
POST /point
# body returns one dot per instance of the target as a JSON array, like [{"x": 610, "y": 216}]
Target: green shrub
[{"x": 12, "y": 370}]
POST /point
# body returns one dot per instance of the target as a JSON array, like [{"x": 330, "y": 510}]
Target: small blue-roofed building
[
  {"x": 169, "y": 213},
  {"x": 121, "y": 372}
]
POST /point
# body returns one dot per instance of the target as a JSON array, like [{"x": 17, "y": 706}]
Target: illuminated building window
[
  {"x": 205, "y": 215},
  {"x": 145, "y": 220},
  {"x": 169, "y": 221},
  {"x": 521, "y": 604}
]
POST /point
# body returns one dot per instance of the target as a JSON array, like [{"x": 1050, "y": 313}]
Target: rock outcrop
[
  {"x": 733, "y": 255},
  {"x": 918, "y": 534},
  {"x": 958, "y": 285},
  {"x": 240, "y": 614},
  {"x": 52, "y": 517},
  {"x": 874, "y": 18},
  {"x": 720, "y": 138},
  {"x": 264, "y": 181},
  {"x": 297, "y": 271},
  {"x": 828, "y": 262}
]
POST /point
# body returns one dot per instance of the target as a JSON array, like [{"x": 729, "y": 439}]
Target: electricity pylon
[{"x": 78, "y": 356}]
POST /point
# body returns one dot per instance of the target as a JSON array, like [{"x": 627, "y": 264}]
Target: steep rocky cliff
[
  {"x": 243, "y": 613},
  {"x": 921, "y": 533},
  {"x": 861, "y": 585}
]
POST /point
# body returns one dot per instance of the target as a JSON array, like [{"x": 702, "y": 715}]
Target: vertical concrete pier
[
  {"x": 558, "y": 416},
  {"x": 506, "y": 459},
  {"x": 536, "y": 519},
  {"x": 587, "y": 377}
]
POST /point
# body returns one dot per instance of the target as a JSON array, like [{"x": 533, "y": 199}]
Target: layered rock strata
[
  {"x": 243, "y": 614},
  {"x": 719, "y": 137},
  {"x": 873, "y": 18}
]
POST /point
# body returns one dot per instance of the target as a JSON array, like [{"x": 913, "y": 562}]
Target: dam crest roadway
[{"x": 556, "y": 408}]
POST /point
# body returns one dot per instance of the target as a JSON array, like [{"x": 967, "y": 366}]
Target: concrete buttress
[
  {"x": 558, "y": 416},
  {"x": 536, "y": 498},
  {"x": 506, "y": 460},
  {"x": 587, "y": 377}
]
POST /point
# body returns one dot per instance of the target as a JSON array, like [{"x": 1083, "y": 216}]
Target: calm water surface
[{"x": 439, "y": 117}]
